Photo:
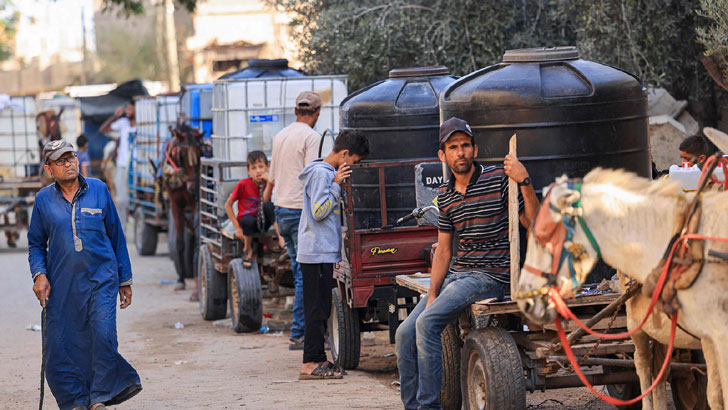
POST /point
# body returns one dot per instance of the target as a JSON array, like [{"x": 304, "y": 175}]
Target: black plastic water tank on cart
[
  {"x": 400, "y": 117},
  {"x": 262, "y": 68},
  {"x": 571, "y": 115}
]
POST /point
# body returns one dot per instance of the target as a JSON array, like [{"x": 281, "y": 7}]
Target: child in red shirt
[{"x": 248, "y": 193}]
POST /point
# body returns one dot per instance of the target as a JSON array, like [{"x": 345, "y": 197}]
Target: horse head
[
  {"x": 48, "y": 125},
  {"x": 186, "y": 150},
  {"x": 560, "y": 252}
]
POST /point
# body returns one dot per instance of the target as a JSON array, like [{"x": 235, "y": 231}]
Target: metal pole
[{"x": 174, "y": 80}]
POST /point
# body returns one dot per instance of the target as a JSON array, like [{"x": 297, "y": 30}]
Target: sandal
[
  {"x": 321, "y": 372},
  {"x": 247, "y": 263},
  {"x": 336, "y": 368}
]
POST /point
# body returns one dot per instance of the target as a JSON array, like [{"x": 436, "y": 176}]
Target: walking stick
[{"x": 43, "y": 360}]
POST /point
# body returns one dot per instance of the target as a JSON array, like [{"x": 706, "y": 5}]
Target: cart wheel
[
  {"x": 690, "y": 393},
  {"x": 212, "y": 287},
  {"x": 450, "y": 397},
  {"x": 492, "y": 376},
  {"x": 344, "y": 333},
  {"x": 145, "y": 235},
  {"x": 624, "y": 391},
  {"x": 245, "y": 296},
  {"x": 171, "y": 235}
]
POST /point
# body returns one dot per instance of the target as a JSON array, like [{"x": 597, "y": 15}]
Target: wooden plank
[
  {"x": 619, "y": 323},
  {"x": 513, "y": 221},
  {"x": 479, "y": 308}
]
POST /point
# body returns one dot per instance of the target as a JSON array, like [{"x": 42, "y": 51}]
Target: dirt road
[{"x": 204, "y": 364}]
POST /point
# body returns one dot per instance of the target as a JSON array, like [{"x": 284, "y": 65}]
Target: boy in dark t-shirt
[{"x": 247, "y": 193}]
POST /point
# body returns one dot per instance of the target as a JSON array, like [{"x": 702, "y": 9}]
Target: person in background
[
  {"x": 252, "y": 217},
  {"x": 124, "y": 124},
  {"x": 294, "y": 147},
  {"x": 84, "y": 162},
  {"x": 319, "y": 245},
  {"x": 694, "y": 150},
  {"x": 80, "y": 265}
]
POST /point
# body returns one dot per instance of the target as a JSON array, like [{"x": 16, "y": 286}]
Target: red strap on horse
[{"x": 609, "y": 399}]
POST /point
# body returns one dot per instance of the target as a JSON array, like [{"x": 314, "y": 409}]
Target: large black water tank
[
  {"x": 570, "y": 114},
  {"x": 400, "y": 117},
  {"x": 261, "y": 68}
]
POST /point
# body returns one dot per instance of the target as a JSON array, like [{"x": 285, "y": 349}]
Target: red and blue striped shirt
[{"x": 480, "y": 219}]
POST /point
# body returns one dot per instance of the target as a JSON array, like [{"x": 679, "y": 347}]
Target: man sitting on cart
[{"x": 473, "y": 204}]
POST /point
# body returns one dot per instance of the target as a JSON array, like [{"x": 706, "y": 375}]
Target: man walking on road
[
  {"x": 124, "y": 123},
  {"x": 473, "y": 203},
  {"x": 79, "y": 262},
  {"x": 294, "y": 147}
]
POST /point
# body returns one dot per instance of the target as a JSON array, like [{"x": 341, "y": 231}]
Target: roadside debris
[
  {"x": 179, "y": 325},
  {"x": 33, "y": 328}
]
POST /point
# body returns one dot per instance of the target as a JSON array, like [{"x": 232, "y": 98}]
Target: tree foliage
[
  {"x": 715, "y": 37},
  {"x": 8, "y": 27},
  {"x": 130, "y": 7},
  {"x": 654, "y": 39}
]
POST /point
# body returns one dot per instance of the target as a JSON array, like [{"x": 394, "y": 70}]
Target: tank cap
[
  {"x": 540, "y": 54},
  {"x": 418, "y": 71},
  {"x": 264, "y": 63}
]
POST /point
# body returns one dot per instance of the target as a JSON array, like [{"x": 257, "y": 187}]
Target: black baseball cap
[
  {"x": 54, "y": 149},
  {"x": 452, "y": 126}
]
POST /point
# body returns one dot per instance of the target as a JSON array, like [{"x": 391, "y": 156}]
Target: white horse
[{"x": 632, "y": 220}]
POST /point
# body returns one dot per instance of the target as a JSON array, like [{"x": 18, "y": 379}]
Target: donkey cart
[
  {"x": 223, "y": 278},
  {"x": 493, "y": 355}
]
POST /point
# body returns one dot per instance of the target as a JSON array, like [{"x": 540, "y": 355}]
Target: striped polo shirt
[{"x": 480, "y": 218}]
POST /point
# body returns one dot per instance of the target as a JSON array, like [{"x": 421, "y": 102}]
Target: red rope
[
  {"x": 610, "y": 399},
  {"x": 569, "y": 315}
]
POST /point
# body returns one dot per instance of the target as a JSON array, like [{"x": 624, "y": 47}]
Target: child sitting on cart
[{"x": 251, "y": 217}]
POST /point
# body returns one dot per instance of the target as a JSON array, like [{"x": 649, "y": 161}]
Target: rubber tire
[
  {"x": 450, "y": 394},
  {"x": 171, "y": 235},
  {"x": 492, "y": 374},
  {"x": 245, "y": 295},
  {"x": 145, "y": 235},
  {"x": 212, "y": 287},
  {"x": 698, "y": 383},
  {"x": 624, "y": 391},
  {"x": 344, "y": 332}
]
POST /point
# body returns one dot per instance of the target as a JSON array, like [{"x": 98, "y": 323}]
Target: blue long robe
[{"x": 81, "y": 248}]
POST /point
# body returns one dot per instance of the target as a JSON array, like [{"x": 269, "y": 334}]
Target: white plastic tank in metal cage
[
  {"x": 19, "y": 149},
  {"x": 247, "y": 113},
  {"x": 154, "y": 116}
]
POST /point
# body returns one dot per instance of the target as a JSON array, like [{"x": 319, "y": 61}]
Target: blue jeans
[
  {"x": 288, "y": 220},
  {"x": 419, "y": 347}
]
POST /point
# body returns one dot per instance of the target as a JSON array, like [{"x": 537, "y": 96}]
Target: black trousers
[
  {"x": 317, "y": 284},
  {"x": 249, "y": 223}
]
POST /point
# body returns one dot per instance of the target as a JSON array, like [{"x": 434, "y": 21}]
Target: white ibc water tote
[
  {"x": 154, "y": 116},
  {"x": 247, "y": 113},
  {"x": 19, "y": 151}
]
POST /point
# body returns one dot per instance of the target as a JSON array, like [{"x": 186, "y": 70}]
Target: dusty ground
[{"x": 205, "y": 364}]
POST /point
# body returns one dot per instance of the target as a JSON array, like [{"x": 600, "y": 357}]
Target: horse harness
[
  {"x": 171, "y": 172},
  {"x": 560, "y": 239}
]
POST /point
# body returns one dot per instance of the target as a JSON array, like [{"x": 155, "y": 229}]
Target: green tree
[
  {"x": 654, "y": 39},
  {"x": 137, "y": 6},
  {"x": 8, "y": 26},
  {"x": 715, "y": 38}
]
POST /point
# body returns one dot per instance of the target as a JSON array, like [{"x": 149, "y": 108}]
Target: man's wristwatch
[{"x": 525, "y": 182}]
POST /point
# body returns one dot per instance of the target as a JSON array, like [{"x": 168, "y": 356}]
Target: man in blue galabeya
[{"x": 79, "y": 262}]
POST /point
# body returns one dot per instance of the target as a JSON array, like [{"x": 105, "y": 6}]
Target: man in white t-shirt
[
  {"x": 293, "y": 148},
  {"x": 124, "y": 124}
]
